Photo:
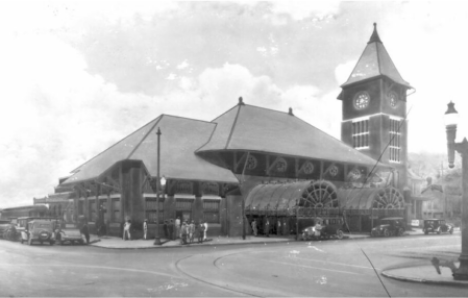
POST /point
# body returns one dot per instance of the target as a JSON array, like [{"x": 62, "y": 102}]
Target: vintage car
[
  {"x": 390, "y": 226},
  {"x": 4, "y": 224},
  {"x": 67, "y": 233},
  {"x": 331, "y": 228},
  {"x": 38, "y": 230},
  {"x": 436, "y": 226}
]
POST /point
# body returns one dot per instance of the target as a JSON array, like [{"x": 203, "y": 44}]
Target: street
[{"x": 327, "y": 268}]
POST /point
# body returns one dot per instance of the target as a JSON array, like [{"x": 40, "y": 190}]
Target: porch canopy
[{"x": 311, "y": 198}]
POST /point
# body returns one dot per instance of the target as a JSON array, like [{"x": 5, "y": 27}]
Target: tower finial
[
  {"x": 375, "y": 36},
  {"x": 290, "y": 112},
  {"x": 241, "y": 101}
]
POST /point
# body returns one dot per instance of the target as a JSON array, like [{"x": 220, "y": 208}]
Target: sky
[{"x": 76, "y": 77}]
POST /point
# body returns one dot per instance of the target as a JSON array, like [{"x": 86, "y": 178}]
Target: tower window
[
  {"x": 360, "y": 134},
  {"x": 395, "y": 140}
]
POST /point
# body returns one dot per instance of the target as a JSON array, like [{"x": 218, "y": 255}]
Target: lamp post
[
  {"x": 162, "y": 181},
  {"x": 451, "y": 121}
]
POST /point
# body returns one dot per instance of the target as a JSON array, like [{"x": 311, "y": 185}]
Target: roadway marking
[
  {"x": 312, "y": 267},
  {"x": 102, "y": 267}
]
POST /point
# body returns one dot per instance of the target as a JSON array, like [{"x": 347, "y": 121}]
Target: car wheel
[
  {"x": 339, "y": 234},
  {"x": 30, "y": 242},
  {"x": 400, "y": 232},
  {"x": 374, "y": 233},
  {"x": 386, "y": 233}
]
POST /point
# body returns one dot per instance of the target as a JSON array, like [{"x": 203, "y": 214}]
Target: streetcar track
[{"x": 207, "y": 282}]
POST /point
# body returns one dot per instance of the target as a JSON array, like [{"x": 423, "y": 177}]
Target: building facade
[{"x": 252, "y": 162}]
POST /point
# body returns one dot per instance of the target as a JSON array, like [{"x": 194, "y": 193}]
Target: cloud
[{"x": 299, "y": 10}]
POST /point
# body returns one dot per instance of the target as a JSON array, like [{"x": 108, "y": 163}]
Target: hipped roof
[
  {"x": 251, "y": 128},
  {"x": 180, "y": 137},
  {"x": 374, "y": 62}
]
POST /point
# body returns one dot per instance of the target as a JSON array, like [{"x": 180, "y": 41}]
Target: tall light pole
[
  {"x": 451, "y": 121},
  {"x": 157, "y": 239}
]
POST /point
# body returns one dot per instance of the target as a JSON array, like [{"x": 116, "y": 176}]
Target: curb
[
  {"x": 425, "y": 281},
  {"x": 196, "y": 245},
  {"x": 221, "y": 244}
]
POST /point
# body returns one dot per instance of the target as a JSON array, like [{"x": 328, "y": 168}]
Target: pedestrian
[
  {"x": 278, "y": 229},
  {"x": 183, "y": 233},
  {"x": 192, "y": 231},
  {"x": 267, "y": 228},
  {"x": 170, "y": 229},
  {"x": 126, "y": 233},
  {"x": 166, "y": 229},
  {"x": 177, "y": 228},
  {"x": 145, "y": 229},
  {"x": 85, "y": 232},
  {"x": 201, "y": 232},
  {"x": 254, "y": 227},
  {"x": 205, "y": 230}
]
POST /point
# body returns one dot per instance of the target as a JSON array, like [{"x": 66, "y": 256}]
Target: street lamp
[
  {"x": 451, "y": 121},
  {"x": 162, "y": 181}
]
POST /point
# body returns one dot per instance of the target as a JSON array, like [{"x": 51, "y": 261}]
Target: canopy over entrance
[{"x": 318, "y": 198}]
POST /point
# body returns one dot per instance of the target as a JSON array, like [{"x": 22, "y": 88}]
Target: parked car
[
  {"x": 437, "y": 226},
  {"x": 390, "y": 226},
  {"x": 38, "y": 230},
  {"x": 67, "y": 233},
  {"x": 4, "y": 224},
  {"x": 332, "y": 228}
]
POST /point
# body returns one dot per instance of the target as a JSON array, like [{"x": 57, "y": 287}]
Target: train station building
[{"x": 253, "y": 162}]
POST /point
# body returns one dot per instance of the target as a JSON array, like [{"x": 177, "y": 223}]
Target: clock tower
[{"x": 374, "y": 108}]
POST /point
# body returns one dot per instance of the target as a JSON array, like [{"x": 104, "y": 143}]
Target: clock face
[
  {"x": 361, "y": 100},
  {"x": 393, "y": 99}
]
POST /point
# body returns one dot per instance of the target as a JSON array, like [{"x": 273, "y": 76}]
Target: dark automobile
[
  {"x": 436, "y": 226},
  {"x": 390, "y": 226},
  {"x": 331, "y": 228},
  {"x": 38, "y": 230},
  {"x": 4, "y": 226}
]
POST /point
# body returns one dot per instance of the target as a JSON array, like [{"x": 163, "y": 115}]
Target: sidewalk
[
  {"x": 425, "y": 274},
  {"x": 117, "y": 243}
]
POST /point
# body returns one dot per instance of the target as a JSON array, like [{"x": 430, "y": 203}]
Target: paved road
[{"x": 332, "y": 268}]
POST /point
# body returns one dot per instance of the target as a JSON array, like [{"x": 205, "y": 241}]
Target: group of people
[
  {"x": 175, "y": 229},
  {"x": 279, "y": 227}
]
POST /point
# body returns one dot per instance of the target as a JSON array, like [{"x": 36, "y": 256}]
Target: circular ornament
[
  {"x": 361, "y": 100},
  {"x": 251, "y": 162},
  {"x": 393, "y": 99},
  {"x": 281, "y": 166},
  {"x": 308, "y": 168},
  {"x": 334, "y": 170}
]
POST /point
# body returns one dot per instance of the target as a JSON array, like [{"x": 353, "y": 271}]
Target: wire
[{"x": 376, "y": 273}]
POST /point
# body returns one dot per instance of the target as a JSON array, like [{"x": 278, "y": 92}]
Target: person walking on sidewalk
[
  {"x": 85, "y": 232},
  {"x": 126, "y": 233},
  {"x": 278, "y": 229},
  {"x": 177, "y": 228},
  {"x": 201, "y": 232},
  {"x": 166, "y": 230},
  {"x": 267, "y": 228},
  {"x": 191, "y": 231},
  {"x": 254, "y": 227},
  {"x": 145, "y": 229},
  {"x": 205, "y": 230},
  {"x": 170, "y": 229},
  {"x": 183, "y": 233}
]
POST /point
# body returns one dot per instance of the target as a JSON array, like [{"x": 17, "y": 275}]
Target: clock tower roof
[{"x": 375, "y": 62}]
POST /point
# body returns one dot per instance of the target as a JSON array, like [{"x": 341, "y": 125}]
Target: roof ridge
[
  {"x": 209, "y": 139},
  {"x": 115, "y": 144},
  {"x": 233, "y": 126},
  {"x": 144, "y": 137}
]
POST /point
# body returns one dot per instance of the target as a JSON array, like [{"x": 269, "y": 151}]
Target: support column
[{"x": 462, "y": 272}]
